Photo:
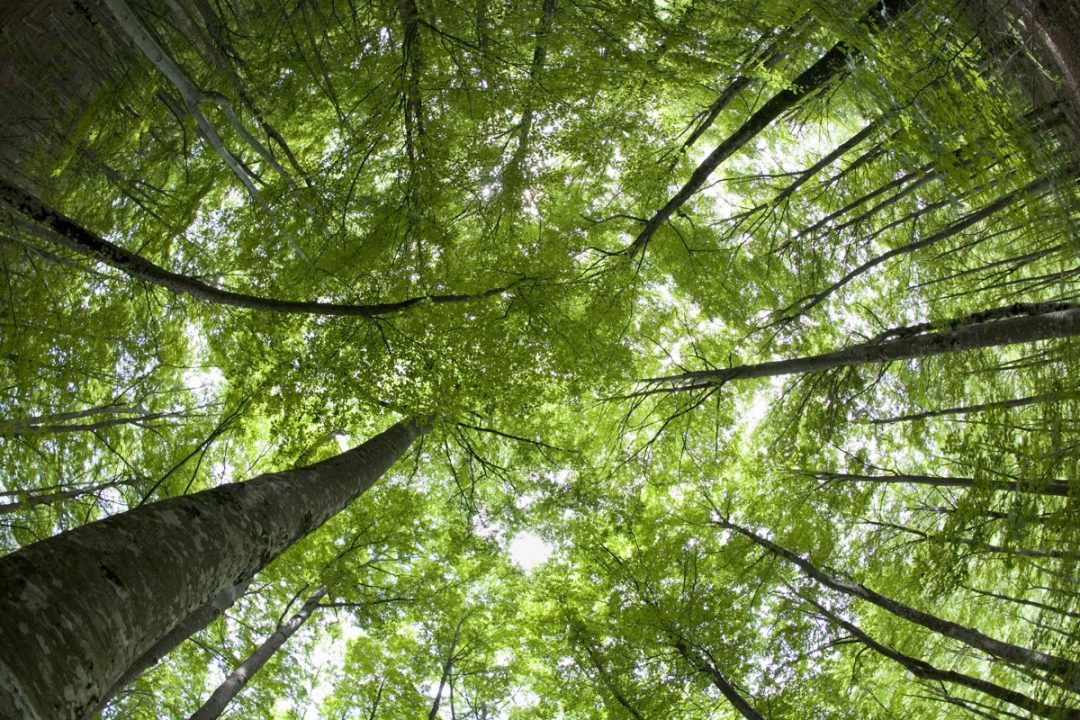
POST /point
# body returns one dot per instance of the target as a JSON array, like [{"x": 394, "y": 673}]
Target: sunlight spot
[{"x": 528, "y": 550}]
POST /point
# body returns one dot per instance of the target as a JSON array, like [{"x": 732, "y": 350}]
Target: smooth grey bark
[
  {"x": 189, "y": 92},
  {"x": 81, "y": 608},
  {"x": 187, "y": 627},
  {"x": 925, "y": 671},
  {"x": 1021, "y": 656},
  {"x": 829, "y": 66},
  {"x": 1057, "y": 321},
  {"x": 69, "y": 234},
  {"x": 238, "y": 678}
]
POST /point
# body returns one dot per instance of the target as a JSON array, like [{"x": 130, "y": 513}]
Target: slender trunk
[
  {"x": 543, "y": 29},
  {"x": 925, "y": 671},
  {"x": 193, "y": 623},
  {"x": 1021, "y": 601},
  {"x": 24, "y": 423},
  {"x": 81, "y": 608},
  {"x": 1058, "y": 321},
  {"x": 829, "y": 66},
  {"x": 1021, "y": 656},
  {"x": 985, "y": 547},
  {"x": 189, "y": 92},
  {"x": 234, "y": 683},
  {"x": 413, "y": 63},
  {"x": 973, "y": 218},
  {"x": 1053, "y": 488},
  {"x": 769, "y": 58},
  {"x": 579, "y": 634},
  {"x": 701, "y": 664},
  {"x": 22, "y": 429},
  {"x": 69, "y": 234},
  {"x": 981, "y": 407},
  {"x": 447, "y": 668}
]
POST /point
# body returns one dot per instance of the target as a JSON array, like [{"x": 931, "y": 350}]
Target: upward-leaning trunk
[
  {"x": 1058, "y": 321},
  {"x": 82, "y": 607},
  {"x": 193, "y": 623},
  {"x": 1062, "y": 667},
  {"x": 830, "y": 65},
  {"x": 231, "y": 686}
]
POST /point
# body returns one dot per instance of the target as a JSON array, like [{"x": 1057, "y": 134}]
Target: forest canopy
[{"x": 722, "y": 354}]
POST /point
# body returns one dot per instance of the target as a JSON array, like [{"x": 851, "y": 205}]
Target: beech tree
[{"x": 740, "y": 337}]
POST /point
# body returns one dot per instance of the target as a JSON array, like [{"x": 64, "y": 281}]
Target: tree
[
  {"x": 131, "y": 596},
  {"x": 661, "y": 274}
]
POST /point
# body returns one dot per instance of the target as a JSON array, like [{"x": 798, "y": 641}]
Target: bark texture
[
  {"x": 190, "y": 625},
  {"x": 81, "y": 608}
]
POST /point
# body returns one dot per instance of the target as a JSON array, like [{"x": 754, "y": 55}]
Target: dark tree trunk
[{"x": 81, "y": 608}]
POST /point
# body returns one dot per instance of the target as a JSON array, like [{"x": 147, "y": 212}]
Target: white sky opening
[{"x": 528, "y": 550}]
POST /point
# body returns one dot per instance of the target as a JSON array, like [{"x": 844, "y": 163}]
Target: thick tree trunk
[
  {"x": 1021, "y": 656},
  {"x": 238, "y": 678},
  {"x": 1057, "y": 321},
  {"x": 81, "y": 608},
  {"x": 187, "y": 627}
]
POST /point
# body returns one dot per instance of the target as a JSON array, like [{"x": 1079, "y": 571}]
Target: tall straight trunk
[
  {"x": 1056, "y": 321},
  {"x": 829, "y": 66},
  {"x": 1020, "y": 656},
  {"x": 981, "y": 407},
  {"x": 69, "y": 234},
  {"x": 79, "y": 609},
  {"x": 925, "y": 671},
  {"x": 238, "y": 678},
  {"x": 1054, "y": 488}
]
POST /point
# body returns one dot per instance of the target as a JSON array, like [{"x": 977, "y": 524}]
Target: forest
[{"x": 539, "y": 359}]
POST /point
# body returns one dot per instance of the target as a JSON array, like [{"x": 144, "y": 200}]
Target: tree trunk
[
  {"x": 1058, "y": 321},
  {"x": 234, "y": 683},
  {"x": 83, "y": 607},
  {"x": 925, "y": 671},
  {"x": 1055, "y": 488},
  {"x": 28, "y": 502},
  {"x": 701, "y": 664},
  {"x": 830, "y": 65},
  {"x": 981, "y": 407},
  {"x": 1021, "y": 656},
  {"x": 190, "y": 625},
  {"x": 69, "y": 234}
]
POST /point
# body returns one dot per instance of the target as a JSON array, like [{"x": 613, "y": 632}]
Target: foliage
[{"x": 404, "y": 149}]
